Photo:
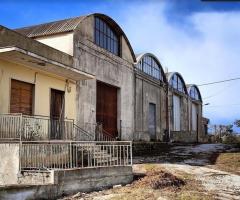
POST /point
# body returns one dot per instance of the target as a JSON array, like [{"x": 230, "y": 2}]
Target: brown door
[
  {"x": 107, "y": 107},
  {"x": 21, "y": 97},
  {"x": 57, "y": 114}
]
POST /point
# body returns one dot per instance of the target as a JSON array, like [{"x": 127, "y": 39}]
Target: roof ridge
[{"x": 35, "y": 25}]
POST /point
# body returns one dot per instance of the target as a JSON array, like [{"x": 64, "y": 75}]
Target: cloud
[{"x": 203, "y": 47}]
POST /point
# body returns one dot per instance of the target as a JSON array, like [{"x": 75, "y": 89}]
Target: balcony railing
[
  {"x": 77, "y": 154},
  {"x": 29, "y": 128}
]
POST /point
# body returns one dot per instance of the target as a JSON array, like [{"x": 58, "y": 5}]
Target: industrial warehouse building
[
  {"x": 73, "y": 97},
  {"x": 130, "y": 96}
]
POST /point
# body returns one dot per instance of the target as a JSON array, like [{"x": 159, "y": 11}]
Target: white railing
[
  {"x": 10, "y": 126},
  {"x": 28, "y": 128},
  {"x": 77, "y": 154}
]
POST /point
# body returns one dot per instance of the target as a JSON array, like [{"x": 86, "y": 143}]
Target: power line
[
  {"x": 223, "y": 105},
  {"x": 227, "y": 80}
]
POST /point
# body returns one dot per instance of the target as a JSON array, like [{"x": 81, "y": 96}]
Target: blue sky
[{"x": 201, "y": 40}]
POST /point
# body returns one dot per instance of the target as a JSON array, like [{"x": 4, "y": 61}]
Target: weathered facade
[
  {"x": 128, "y": 102},
  {"x": 70, "y": 88},
  {"x": 112, "y": 70},
  {"x": 150, "y": 98}
]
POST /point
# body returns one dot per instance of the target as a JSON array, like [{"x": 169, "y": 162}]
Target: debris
[
  {"x": 117, "y": 186},
  {"x": 159, "y": 179}
]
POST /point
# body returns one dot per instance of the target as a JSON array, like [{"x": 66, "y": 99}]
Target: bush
[{"x": 230, "y": 139}]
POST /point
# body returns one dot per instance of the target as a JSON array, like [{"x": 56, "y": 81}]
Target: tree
[
  {"x": 237, "y": 123},
  {"x": 229, "y": 128}
]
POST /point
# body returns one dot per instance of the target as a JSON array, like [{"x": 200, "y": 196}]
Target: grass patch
[{"x": 229, "y": 162}]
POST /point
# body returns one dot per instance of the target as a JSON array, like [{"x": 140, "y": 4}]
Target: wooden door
[
  {"x": 57, "y": 114},
  {"x": 21, "y": 97},
  {"x": 107, "y": 107},
  {"x": 152, "y": 121}
]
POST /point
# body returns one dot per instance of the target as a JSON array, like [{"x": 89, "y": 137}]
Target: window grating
[
  {"x": 194, "y": 94},
  {"x": 177, "y": 83},
  {"x": 149, "y": 66},
  {"x": 105, "y": 37}
]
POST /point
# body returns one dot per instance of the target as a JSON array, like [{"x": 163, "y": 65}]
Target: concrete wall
[
  {"x": 43, "y": 83},
  {"x": 9, "y": 164},
  {"x": 149, "y": 91},
  {"x": 108, "y": 68},
  {"x": 62, "y": 42},
  {"x": 69, "y": 182}
]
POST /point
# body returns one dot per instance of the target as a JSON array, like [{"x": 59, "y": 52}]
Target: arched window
[
  {"x": 177, "y": 83},
  {"x": 106, "y": 37},
  {"x": 149, "y": 65},
  {"x": 194, "y": 93}
]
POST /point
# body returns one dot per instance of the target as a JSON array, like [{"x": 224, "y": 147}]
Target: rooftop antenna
[{"x": 166, "y": 69}]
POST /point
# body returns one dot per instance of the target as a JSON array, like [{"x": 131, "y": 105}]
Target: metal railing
[
  {"x": 28, "y": 128},
  {"x": 82, "y": 135},
  {"x": 10, "y": 126},
  {"x": 103, "y": 135},
  {"x": 77, "y": 154}
]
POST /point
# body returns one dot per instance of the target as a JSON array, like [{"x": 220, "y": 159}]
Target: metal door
[
  {"x": 194, "y": 117},
  {"x": 152, "y": 121},
  {"x": 176, "y": 113}
]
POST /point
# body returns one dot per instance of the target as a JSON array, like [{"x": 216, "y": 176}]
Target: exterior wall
[
  {"x": 62, "y": 42},
  {"x": 149, "y": 91},
  {"x": 70, "y": 182},
  {"x": 108, "y": 68},
  {"x": 43, "y": 83},
  {"x": 9, "y": 165}
]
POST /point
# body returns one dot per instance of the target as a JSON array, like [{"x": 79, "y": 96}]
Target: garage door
[
  {"x": 21, "y": 97},
  {"x": 107, "y": 107}
]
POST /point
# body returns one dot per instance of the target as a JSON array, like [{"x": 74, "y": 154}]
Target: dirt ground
[{"x": 205, "y": 171}]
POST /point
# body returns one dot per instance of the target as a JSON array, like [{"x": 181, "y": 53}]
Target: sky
[{"x": 199, "y": 39}]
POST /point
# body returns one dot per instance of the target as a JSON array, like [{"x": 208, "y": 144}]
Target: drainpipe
[{"x": 167, "y": 113}]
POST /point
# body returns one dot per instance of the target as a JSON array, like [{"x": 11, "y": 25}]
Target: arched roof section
[
  {"x": 68, "y": 25},
  {"x": 178, "y": 84},
  {"x": 140, "y": 57},
  {"x": 194, "y": 92},
  {"x": 117, "y": 29}
]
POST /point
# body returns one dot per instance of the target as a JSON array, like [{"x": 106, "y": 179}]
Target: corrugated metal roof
[{"x": 51, "y": 28}]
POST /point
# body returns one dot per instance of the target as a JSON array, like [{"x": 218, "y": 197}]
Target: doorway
[
  {"x": 152, "y": 121},
  {"x": 106, "y": 113},
  {"x": 57, "y": 114}
]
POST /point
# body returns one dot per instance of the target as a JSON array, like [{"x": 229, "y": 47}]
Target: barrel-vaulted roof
[{"x": 69, "y": 25}]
